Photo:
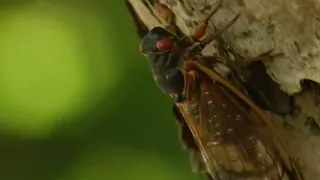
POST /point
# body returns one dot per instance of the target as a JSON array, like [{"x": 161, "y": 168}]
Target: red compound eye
[
  {"x": 141, "y": 50},
  {"x": 164, "y": 44}
]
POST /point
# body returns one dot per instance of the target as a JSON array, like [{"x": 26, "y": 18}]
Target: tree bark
[{"x": 290, "y": 27}]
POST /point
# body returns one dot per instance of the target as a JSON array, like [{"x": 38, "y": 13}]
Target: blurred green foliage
[{"x": 77, "y": 99}]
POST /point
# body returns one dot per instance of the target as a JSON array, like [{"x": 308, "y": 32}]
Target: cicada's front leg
[
  {"x": 265, "y": 56},
  {"x": 239, "y": 63},
  {"x": 259, "y": 86}
]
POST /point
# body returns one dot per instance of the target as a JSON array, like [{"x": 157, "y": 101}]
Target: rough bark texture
[{"x": 290, "y": 27}]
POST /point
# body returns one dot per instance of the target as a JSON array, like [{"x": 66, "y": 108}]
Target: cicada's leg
[
  {"x": 211, "y": 38},
  {"x": 262, "y": 57},
  {"x": 167, "y": 15},
  {"x": 197, "y": 47},
  {"x": 210, "y": 61},
  {"x": 258, "y": 85},
  {"x": 240, "y": 63},
  {"x": 201, "y": 29}
]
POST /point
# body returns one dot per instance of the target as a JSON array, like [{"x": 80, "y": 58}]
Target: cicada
[{"x": 230, "y": 135}]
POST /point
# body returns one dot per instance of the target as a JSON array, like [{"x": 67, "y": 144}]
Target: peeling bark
[{"x": 290, "y": 27}]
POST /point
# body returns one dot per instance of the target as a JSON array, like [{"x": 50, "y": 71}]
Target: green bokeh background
[{"x": 77, "y": 101}]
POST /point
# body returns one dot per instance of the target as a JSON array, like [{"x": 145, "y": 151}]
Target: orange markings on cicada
[
  {"x": 188, "y": 65},
  {"x": 200, "y": 31},
  {"x": 190, "y": 79}
]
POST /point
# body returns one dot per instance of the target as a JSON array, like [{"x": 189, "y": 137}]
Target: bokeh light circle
[{"x": 46, "y": 71}]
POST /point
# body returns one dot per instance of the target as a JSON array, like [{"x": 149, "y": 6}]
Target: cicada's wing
[
  {"x": 236, "y": 142},
  {"x": 189, "y": 143}
]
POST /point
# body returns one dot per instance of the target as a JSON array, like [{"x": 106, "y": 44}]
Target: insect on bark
[{"x": 232, "y": 137}]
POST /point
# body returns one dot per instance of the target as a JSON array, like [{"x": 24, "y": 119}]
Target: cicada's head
[{"x": 158, "y": 40}]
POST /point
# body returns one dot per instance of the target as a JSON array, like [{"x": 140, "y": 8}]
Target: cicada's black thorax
[
  {"x": 165, "y": 72},
  {"x": 163, "y": 64}
]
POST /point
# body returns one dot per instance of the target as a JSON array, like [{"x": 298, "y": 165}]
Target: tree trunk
[{"x": 290, "y": 27}]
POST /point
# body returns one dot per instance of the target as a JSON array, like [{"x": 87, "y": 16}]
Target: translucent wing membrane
[{"x": 235, "y": 142}]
